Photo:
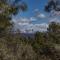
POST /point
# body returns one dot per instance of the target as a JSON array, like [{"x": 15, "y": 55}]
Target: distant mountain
[{"x": 27, "y": 34}]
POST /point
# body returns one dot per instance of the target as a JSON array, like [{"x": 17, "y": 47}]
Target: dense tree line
[{"x": 43, "y": 46}]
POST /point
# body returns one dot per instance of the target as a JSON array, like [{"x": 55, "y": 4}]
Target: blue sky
[
  {"x": 32, "y": 5},
  {"x": 35, "y": 18}
]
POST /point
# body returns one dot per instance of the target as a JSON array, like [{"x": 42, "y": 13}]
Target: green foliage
[
  {"x": 13, "y": 46},
  {"x": 7, "y": 10},
  {"x": 54, "y": 32}
]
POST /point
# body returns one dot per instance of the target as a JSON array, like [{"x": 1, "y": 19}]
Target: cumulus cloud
[
  {"x": 54, "y": 20},
  {"x": 33, "y": 19},
  {"x": 39, "y": 14},
  {"x": 30, "y": 28},
  {"x": 26, "y": 26},
  {"x": 55, "y": 13},
  {"x": 23, "y": 21}
]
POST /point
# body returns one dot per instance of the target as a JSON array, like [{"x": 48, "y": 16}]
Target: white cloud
[
  {"x": 41, "y": 15},
  {"x": 30, "y": 28},
  {"x": 33, "y": 19},
  {"x": 24, "y": 21},
  {"x": 26, "y": 25},
  {"x": 54, "y": 20},
  {"x": 36, "y": 10},
  {"x": 55, "y": 13}
]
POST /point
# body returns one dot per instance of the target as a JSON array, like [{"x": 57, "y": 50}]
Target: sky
[{"x": 35, "y": 18}]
